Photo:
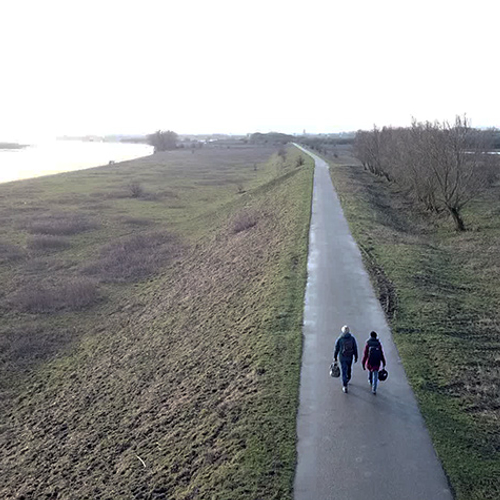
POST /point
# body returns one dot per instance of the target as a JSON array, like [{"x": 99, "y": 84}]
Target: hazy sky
[{"x": 97, "y": 67}]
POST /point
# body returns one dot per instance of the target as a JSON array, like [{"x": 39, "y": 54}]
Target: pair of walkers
[{"x": 346, "y": 350}]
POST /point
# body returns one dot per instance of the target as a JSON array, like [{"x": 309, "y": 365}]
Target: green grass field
[
  {"x": 150, "y": 338},
  {"x": 441, "y": 293}
]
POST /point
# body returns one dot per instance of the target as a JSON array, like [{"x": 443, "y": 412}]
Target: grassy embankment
[
  {"x": 442, "y": 294},
  {"x": 151, "y": 327}
]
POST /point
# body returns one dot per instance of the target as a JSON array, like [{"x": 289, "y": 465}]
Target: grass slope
[
  {"x": 441, "y": 293},
  {"x": 179, "y": 377}
]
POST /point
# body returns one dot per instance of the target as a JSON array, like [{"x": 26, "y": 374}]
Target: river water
[{"x": 53, "y": 157}]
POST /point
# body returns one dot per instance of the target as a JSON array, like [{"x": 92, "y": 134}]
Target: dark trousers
[{"x": 345, "y": 366}]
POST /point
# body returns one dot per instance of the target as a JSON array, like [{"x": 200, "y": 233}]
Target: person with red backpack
[
  {"x": 347, "y": 349},
  {"x": 373, "y": 356}
]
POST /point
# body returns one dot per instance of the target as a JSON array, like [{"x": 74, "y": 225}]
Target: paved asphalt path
[{"x": 354, "y": 446}]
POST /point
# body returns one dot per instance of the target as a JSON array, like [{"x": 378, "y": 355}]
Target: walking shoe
[
  {"x": 374, "y": 393},
  {"x": 344, "y": 389}
]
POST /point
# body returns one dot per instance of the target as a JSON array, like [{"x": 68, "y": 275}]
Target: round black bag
[
  {"x": 383, "y": 374},
  {"x": 334, "y": 370}
]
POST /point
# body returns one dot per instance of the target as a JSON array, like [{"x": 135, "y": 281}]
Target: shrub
[
  {"x": 243, "y": 220},
  {"x": 133, "y": 258},
  {"x": 136, "y": 190},
  {"x": 47, "y": 242},
  {"x": 61, "y": 224},
  {"x": 24, "y": 344},
  {"x": 46, "y": 265},
  {"x": 10, "y": 253},
  {"x": 71, "y": 294}
]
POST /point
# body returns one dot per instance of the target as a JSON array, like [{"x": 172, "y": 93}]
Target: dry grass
[
  {"x": 244, "y": 220},
  {"x": 134, "y": 258},
  {"x": 47, "y": 242},
  {"x": 44, "y": 266},
  {"x": 26, "y": 345},
  {"x": 61, "y": 224},
  {"x": 73, "y": 294},
  {"x": 10, "y": 252}
]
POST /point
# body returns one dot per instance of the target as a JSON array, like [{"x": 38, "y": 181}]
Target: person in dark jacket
[
  {"x": 373, "y": 356},
  {"x": 346, "y": 350}
]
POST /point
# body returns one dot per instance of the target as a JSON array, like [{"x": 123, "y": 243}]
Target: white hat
[{"x": 345, "y": 329}]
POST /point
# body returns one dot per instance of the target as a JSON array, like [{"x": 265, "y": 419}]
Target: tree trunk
[{"x": 457, "y": 219}]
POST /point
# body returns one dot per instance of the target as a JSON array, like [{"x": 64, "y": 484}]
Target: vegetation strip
[
  {"x": 178, "y": 380},
  {"x": 444, "y": 296}
]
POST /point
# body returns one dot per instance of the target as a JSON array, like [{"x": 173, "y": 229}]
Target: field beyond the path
[
  {"x": 150, "y": 339},
  {"x": 441, "y": 292}
]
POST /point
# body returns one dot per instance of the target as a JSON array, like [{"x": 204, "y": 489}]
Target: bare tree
[
  {"x": 368, "y": 147},
  {"x": 163, "y": 141},
  {"x": 460, "y": 164},
  {"x": 419, "y": 175},
  {"x": 443, "y": 166}
]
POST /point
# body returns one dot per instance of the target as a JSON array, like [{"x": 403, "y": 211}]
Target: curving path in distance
[{"x": 354, "y": 446}]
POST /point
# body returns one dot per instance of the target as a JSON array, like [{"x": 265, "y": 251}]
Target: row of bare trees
[{"x": 443, "y": 166}]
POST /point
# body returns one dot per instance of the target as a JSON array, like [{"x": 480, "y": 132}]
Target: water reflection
[{"x": 63, "y": 156}]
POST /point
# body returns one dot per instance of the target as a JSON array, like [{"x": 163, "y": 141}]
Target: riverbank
[{"x": 151, "y": 327}]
